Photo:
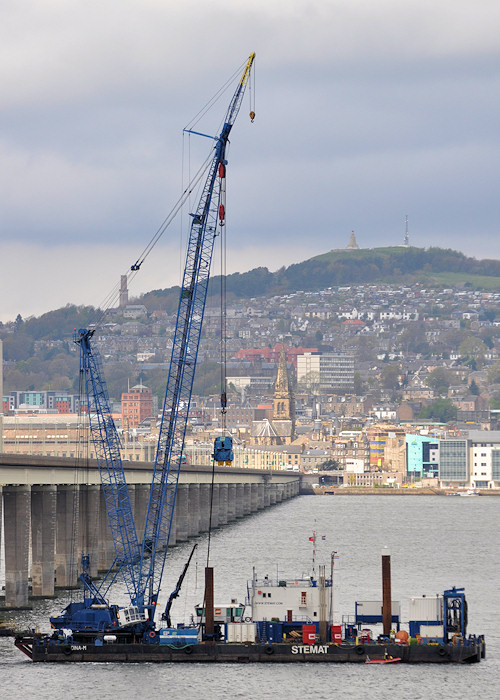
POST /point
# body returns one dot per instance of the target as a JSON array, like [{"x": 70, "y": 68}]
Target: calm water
[{"x": 435, "y": 543}]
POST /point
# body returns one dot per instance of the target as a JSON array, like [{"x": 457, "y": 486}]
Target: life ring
[
  {"x": 269, "y": 650},
  {"x": 360, "y": 650},
  {"x": 248, "y": 619},
  {"x": 67, "y": 650},
  {"x": 152, "y": 634},
  {"x": 188, "y": 649},
  {"x": 442, "y": 651}
]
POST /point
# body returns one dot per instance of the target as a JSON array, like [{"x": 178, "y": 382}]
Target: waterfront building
[
  {"x": 422, "y": 456},
  {"x": 471, "y": 461}
]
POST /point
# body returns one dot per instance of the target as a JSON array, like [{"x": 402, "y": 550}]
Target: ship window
[{"x": 303, "y": 598}]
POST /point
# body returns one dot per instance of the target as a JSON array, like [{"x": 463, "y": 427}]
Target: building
[
  {"x": 422, "y": 456},
  {"x": 43, "y": 402},
  {"x": 329, "y": 372},
  {"x": 471, "y": 461},
  {"x": 137, "y": 404}
]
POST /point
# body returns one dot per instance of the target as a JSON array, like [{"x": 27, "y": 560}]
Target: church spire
[{"x": 281, "y": 386}]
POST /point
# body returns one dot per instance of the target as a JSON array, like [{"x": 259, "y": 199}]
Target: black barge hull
[{"x": 40, "y": 650}]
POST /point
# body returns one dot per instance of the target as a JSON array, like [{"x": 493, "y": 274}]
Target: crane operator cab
[{"x": 223, "y": 451}]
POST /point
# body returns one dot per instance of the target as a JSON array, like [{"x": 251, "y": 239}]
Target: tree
[
  {"x": 472, "y": 351},
  {"x": 473, "y": 388},
  {"x": 329, "y": 464},
  {"x": 441, "y": 410},
  {"x": 389, "y": 377},
  {"x": 439, "y": 380}
]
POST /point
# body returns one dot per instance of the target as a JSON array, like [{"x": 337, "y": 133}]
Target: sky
[{"x": 366, "y": 111}]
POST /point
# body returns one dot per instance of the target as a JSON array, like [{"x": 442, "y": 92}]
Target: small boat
[
  {"x": 470, "y": 492},
  {"x": 386, "y": 660}
]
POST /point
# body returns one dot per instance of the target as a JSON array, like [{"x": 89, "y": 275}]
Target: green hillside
[{"x": 396, "y": 265}]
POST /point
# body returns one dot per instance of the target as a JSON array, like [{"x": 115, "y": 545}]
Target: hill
[{"x": 433, "y": 267}]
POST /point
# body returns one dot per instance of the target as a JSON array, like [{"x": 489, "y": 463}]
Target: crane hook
[{"x": 252, "y": 116}]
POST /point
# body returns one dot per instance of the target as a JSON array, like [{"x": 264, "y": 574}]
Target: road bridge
[{"x": 53, "y": 510}]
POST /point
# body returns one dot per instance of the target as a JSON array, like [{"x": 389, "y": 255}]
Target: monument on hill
[{"x": 353, "y": 244}]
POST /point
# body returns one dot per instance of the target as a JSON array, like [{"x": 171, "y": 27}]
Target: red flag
[{"x": 312, "y": 539}]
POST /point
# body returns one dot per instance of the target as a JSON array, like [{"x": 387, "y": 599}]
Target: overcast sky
[{"x": 367, "y": 110}]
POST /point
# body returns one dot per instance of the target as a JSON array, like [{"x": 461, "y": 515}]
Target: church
[{"x": 280, "y": 429}]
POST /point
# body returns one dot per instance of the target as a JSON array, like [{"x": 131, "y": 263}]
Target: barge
[{"x": 286, "y": 620}]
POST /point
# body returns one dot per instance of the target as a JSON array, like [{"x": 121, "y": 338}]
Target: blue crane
[
  {"x": 209, "y": 213},
  {"x": 142, "y": 564}
]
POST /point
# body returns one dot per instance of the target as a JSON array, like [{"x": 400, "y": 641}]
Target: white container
[
  {"x": 428, "y": 608},
  {"x": 240, "y": 632},
  {"x": 431, "y": 631}
]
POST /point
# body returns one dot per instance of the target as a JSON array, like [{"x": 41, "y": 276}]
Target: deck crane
[{"x": 142, "y": 564}]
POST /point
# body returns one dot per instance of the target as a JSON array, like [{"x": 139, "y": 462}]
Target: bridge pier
[
  {"x": 215, "y": 506},
  {"x": 43, "y": 540},
  {"x": 17, "y": 508},
  {"x": 204, "y": 505},
  {"x": 181, "y": 513},
  {"x": 240, "y": 496},
  {"x": 231, "y": 503},
  {"x": 67, "y": 535},
  {"x": 106, "y": 554},
  {"x": 194, "y": 510},
  {"x": 223, "y": 505},
  {"x": 90, "y": 506}
]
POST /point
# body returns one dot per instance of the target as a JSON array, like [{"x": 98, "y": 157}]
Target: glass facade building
[{"x": 453, "y": 462}]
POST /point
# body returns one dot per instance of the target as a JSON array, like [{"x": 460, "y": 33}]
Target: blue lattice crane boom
[
  {"x": 209, "y": 213},
  {"x": 107, "y": 447}
]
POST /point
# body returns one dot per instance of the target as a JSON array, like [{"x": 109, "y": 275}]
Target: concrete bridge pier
[
  {"x": 260, "y": 496},
  {"x": 215, "y": 506},
  {"x": 231, "y": 503},
  {"x": 67, "y": 526},
  {"x": 17, "y": 506},
  {"x": 181, "y": 513},
  {"x": 140, "y": 508},
  {"x": 106, "y": 554},
  {"x": 240, "y": 496},
  {"x": 267, "y": 494},
  {"x": 204, "y": 505},
  {"x": 194, "y": 510},
  {"x": 43, "y": 540},
  {"x": 254, "y": 495},
  {"x": 223, "y": 504},
  {"x": 89, "y": 529},
  {"x": 273, "y": 490},
  {"x": 247, "y": 499}
]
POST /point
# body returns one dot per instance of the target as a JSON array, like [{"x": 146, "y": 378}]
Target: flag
[
  {"x": 323, "y": 537},
  {"x": 311, "y": 539}
]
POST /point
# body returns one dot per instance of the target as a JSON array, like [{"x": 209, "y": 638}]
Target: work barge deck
[{"x": 42, "y": 649}]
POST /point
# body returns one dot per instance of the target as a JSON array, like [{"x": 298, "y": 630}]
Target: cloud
[{"x": 365, "y": 112}]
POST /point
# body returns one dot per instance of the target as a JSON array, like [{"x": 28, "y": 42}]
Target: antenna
[{"x": 407, "y": 238}]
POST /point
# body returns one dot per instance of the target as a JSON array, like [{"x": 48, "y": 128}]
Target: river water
[{"x": 435, "y": 543}]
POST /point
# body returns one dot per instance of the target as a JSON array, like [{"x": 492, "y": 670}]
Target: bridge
[{"x": 53, "y": 510}]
